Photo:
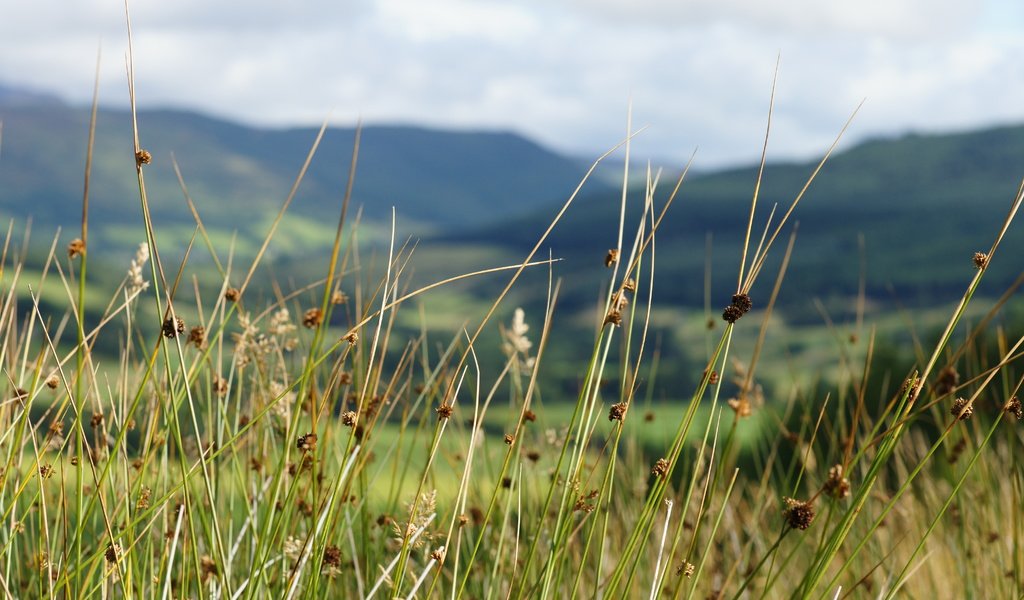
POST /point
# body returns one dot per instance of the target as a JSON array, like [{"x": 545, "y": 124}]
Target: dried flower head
[
  {"x": 660, "y": 468},
  {"x": 144, "y": 495},
  {"x": 97, "y": 420},
  {"x": 463, "y": 519},
  {"x": 797, "y": 514},
  {"x": 113, "y": 552},
  {"x": 741, "y": 406},
  {"x": 649, "y": 416},
  {"x": 438, "y": 554},
  {"x": 208, "y": 567},
  {"x": 143, "y": 157},
  {"x": 352, "y": 338},
  {"x": 741, "y": 305},
  {"x": 533, "y": 456},
  {"x": 836, "y": 485},
  {"x": 338, "y": 297},
  {"x": 1014, "y": 408},
  {"x": 232, "y": 294},
  {"x": 509, "y": 439},
  {"x": 76, "y": 248},
  {"x": 617, "y": 411},
  {"x": 686, "y": 568},
  {"x": 444, "y": 411},
  {"x": 611, "y": 258},
  {"x": 947, "y": 381},
  {"x": 712, "y": 378},
  {"x": 331, "y": 563},
  {"x": 172, "y": 327},
  {"x": 529, "y": 415},
  {"x": 307, "y": 442},
  {"x": 614, "y": 317},
  {"x": 45, "y": 471},
  {"x": 52, "y": 381},
  {"x": 197, "y": 336},
  {"x": 962, "y": 409},
  {"x": 313, "y": 318},
  {"x": 629, "y": 285},
  {"x": 980, "y": 260},
  {"x": 349, "y": 418}
]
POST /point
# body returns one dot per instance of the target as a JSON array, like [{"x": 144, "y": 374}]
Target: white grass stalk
[{"x": 661, "y": 552}]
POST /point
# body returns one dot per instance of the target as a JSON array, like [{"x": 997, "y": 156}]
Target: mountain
[
  {"x": 923, "y": 204},
  {"x": 239, "y": 175}
]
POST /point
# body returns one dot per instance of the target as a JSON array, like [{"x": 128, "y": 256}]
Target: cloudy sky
[{"x": 698, "y": 72}]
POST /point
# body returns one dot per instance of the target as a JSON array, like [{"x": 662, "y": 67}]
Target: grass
[{"x": 357, "y": 436}]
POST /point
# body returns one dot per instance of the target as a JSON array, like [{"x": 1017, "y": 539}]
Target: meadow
[{"x": 224, "y": 431}]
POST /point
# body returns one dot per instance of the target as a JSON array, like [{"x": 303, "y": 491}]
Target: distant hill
[
  {"x": 924, "y": 204},
  {"x": 239, "y": 175}
]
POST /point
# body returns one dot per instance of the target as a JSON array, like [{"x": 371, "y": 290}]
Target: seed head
[
  {"x": 338, "y": 297},
  {"x": 686, "y": 568},
  {"x": 173, "y": 326},
  {"x": 76, "y": 248},
  {"x": 143, "y": 157},
  {"x": 313, "y": 318},
  {"x": 444, "y": 411},
  {"x": 52, "y": 382},
  {"x": 438, "y": 555},
  {"x": 529, "y": 415},
  {"x": 232, "y": 294},
  {"x": 113, "y": 552},
  {"x": 962, "y": 409},
  {"x": 614, "y": 317},
  {"x": 352, "y": 338},
  {"x": 509, "y": 439},
  {"x": 836, "y": 485},
  {"x": 611, "y": 258},
  {"x": 307, "y": 442},
  {"x": 1013, "y": 407},
  {"x": 980, "y": 260},
  {"x": 797, "y": 514},
  {"x": 660, "y": 468},
  {"x": 617, "y": 412},
  {"x": 208, "y": 567},
  {"x": 197, "y": 336},
  {"x": 349, "y": 418}
]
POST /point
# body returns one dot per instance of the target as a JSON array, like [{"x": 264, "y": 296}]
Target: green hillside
[
  {"x": 923, "y": 203},
  {"x": 239, "y": 175}
]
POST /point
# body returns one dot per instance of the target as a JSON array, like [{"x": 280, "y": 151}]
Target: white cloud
[{"x": 698, "y": 72}]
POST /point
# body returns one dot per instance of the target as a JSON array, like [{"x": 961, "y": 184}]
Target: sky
[{"x": 696, "y": 73}]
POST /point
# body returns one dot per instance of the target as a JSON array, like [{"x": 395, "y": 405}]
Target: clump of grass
[{"x": 309, "y": 447}]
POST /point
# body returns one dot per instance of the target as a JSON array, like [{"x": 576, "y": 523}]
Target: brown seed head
[
  {"x": 97, "y": 420},
  {"x": 509, "y": 439},
  {"x": 533, "y": 455},
  {"x": 614, "y": 317},
  {"x": 313, "y": 318},
  {"x": 731, "y": 314},
  {"x": 113, "y": 552},
  {"x": 836, "y": 485},
  {"x": 617, "y": 412},
  {"x": 349, "y": 418},
  {"x": 307, "y": 442},
  {"x": 438, "y": 555},
  {"x": 962, "y": 409},
  {"x": 980, "y": 260},
  {"x": 76, "y": 248},
  {"x": 208, "y": 567},
  {"x": 947, "y": 381},
  {"x": 797, "y": 514},
  {"x": 172, "y": 327},
  {"x": 197, "y": 336},
  {"x": 741, "y": 406},
  {"x": 52, "y": 382},
  {"x": 611, "y": 258},
  {"x": 338, "y": 297},
  {"x": 686, "y": 568},
  {"x": 352, "y": 338},
  {"x": 332, "y": 556},
  {"x": 232, "y": 294},
  {"x": 444, "y": 411},
  {"x": 660, "y": 468},
  {"x": 143, "y": 157},
  {"x": 1014, "y": 407},
  {"x": 529, "y": 415}
]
